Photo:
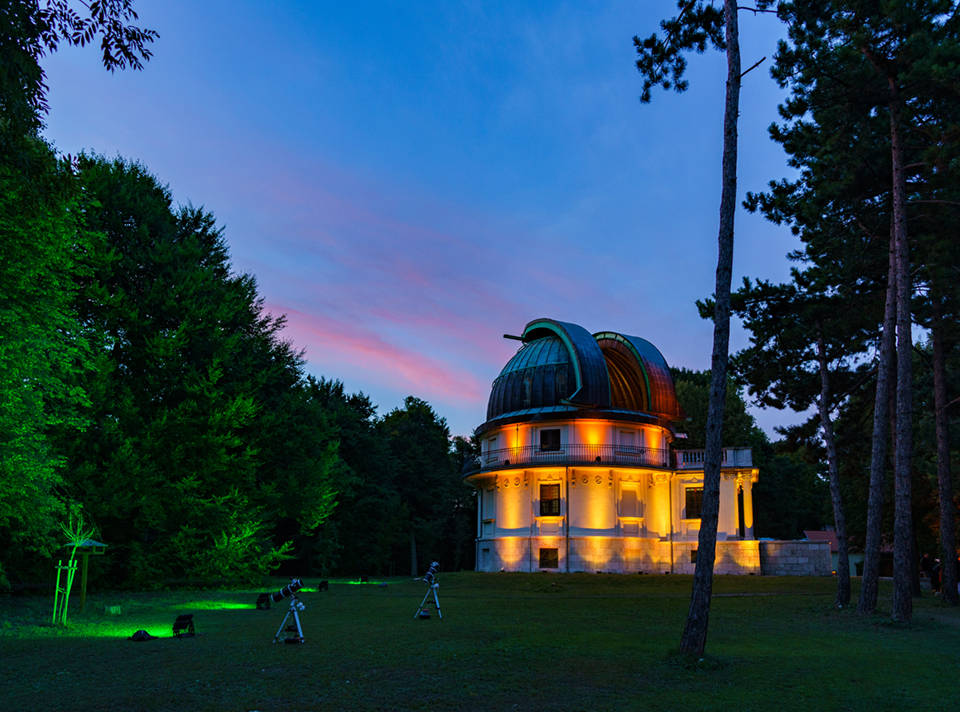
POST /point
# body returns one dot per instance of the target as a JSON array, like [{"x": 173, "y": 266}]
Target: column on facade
[
  {"x": 747, "y": 483},
  {"x": 656, "y": 506},
  {"x": 729, "y": 519}
]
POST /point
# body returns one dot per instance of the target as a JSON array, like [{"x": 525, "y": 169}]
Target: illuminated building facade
[{"x": 576, "y": 472}]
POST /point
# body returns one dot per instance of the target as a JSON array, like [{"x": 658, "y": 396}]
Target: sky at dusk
[{"x": 409, "y": 181}]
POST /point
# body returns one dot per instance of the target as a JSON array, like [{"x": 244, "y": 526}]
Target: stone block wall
[
  {"x": 613, "y": 555},
  {"x": 732, "y": 557},
  {"x": 795, "y": 558}
]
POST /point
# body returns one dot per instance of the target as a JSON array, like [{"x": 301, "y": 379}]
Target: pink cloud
[{"x": 349, "y": 347}]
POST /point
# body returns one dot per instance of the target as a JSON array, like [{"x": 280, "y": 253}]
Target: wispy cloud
[{"x": 359, "y": 352}]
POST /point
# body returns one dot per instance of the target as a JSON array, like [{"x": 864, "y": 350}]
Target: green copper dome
[{"x": 562, "y": 370}]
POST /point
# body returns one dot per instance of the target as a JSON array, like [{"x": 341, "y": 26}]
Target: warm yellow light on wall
[
  {"x": 593, "y": 506},
  {"x": 659, "y": 505},
  {"x": 513, "y": 437},
  {"x": 512, "y": 551},
  {"x": 513, "y": 507},
  {"x": 591, "y": 432}
]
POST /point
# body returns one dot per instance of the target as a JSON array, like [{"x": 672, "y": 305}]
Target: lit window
[
  {"x": 549, "y": 440},
  {"x": 549, "y": 558},
  {"x": 549, "y": 501},
  {"x": 694, "y": 503}
]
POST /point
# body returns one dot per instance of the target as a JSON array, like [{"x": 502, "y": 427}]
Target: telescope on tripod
[
  {"x": 286, "y": 632},
  {"x": 431, "y": 580}
]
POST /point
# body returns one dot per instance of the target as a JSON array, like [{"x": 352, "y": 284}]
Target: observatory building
[{"x": 576, "y": 472}]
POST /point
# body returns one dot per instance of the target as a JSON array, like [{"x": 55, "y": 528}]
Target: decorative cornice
[{"x": 741, "y": 474}]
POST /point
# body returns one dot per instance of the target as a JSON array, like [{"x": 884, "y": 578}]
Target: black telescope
[
  {"x": 430, "y": 578},
  {"x": 288, "y": 590}
]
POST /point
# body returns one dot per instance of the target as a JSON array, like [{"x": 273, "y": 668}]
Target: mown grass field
[{"x": 506, "y": 642}]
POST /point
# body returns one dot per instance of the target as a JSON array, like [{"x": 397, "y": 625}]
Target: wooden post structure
[{"x": 90, "y": 548}]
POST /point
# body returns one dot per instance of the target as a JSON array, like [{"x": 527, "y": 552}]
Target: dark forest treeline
[{"x": 871, "y": 126}]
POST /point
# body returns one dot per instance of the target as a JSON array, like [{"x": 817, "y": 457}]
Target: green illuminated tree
[
  {"x": 43, "y": 251},
  {"x": 199, "y": 429},
  {"x": 44, "y": 348}
]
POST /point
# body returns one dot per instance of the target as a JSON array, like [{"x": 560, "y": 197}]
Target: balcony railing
[
  {"x": 731, "y": 457},
  {"x": 578, "y": 454},
  {"x": 617, "y": 455}
]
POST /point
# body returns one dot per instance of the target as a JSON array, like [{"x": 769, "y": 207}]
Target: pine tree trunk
[
  {"x": 413, "y": 553},
  {"x": 915, "y": 586},
  {"x": 869, "y": 585},
  {"x": 843, "y": 556},
  {"x": 948, "y": 539},
  {"x": 694, "y": 638},
  {"x": 902, "y": 608}
]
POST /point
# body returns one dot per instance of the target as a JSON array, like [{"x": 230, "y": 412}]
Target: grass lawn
[{"x": 506, "y": 641}]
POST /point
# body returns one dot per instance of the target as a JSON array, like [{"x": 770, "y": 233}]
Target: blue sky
[{"x": 409, "y": 181}]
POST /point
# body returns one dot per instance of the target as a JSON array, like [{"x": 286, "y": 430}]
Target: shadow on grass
[{"x": 688, "y": 662}]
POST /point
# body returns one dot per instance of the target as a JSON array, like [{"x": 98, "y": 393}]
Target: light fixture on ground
[
  {"x": 183, "y": 626},
  {"x": 292, "y": 633},
  {"x": 431, "y": 580}
]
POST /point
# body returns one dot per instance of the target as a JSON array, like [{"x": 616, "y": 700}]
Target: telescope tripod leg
[
  {"x": 433, "y": 590},
  {"x": 422, "y": 604},
  {"x": 277, "y": 636},
  {"x": 296, "y": 620}
]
